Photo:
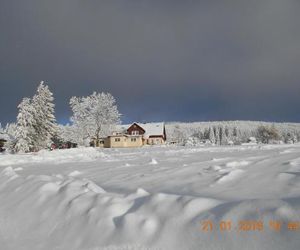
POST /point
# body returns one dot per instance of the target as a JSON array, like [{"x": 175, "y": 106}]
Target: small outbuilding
[{"x": 3, "y": 140}]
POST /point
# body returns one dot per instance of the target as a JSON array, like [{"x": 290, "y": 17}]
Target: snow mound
[
  {"x": 55, "y": 156},
  {"x": 9, "y": 171},
  {"x": 80, "y": 211},
  {"x": 231, "y": 176},
  {"x": 216, "y": 168},
  {"x": 235, "y": 164},
  {"x": 51, "y": 206},
  {"x": 93, "y": 187},
  {"x": 74, "y": 173},
  {"x": 153, "y": 162},
  {"x": 50, "y": 187},
  {"x": 61, "y": 212},
  {"x": 18, "y": 169},
  {"x": 295, "y": 162},
  {"x": 220, "y": 159},
  {"x": 125, "y": 247},
  {"x": 8, "y": 174}
]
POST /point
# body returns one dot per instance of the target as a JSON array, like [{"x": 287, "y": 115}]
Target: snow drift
[{"x": 66, "y": 208}]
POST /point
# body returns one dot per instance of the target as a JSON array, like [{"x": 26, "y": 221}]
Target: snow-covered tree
[
  {"x": 217, "y": 135},
  {"x": 177, "y": 135},
  {"x": 36, "y": 123},
  {"x": 267, "y": 133},
  {"x": 70, "y": 133},
  {"x": 10, "y": 130},
  {"x": 25, "y": 129},
  {"x": 211, "y": 135},
  {"x": 45, "y": 122},
  {"x": 95, "y": 115}
]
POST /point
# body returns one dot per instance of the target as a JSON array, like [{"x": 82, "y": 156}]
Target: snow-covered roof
[
  {"x": 156, "y": 128},
  {"x": 152, "y": 128}
]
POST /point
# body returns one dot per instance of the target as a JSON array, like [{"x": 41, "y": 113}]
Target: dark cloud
[{"x": 162, "y": 60}]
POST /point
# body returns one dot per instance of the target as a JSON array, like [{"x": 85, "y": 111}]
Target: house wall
[
  {"x": 99, "y": 143},
  {"x": 124, "y": 142},
  {"x": 155, "y": 140},
  {"x": 116, "y": 142},
  {"x": 134, "y": 141}
]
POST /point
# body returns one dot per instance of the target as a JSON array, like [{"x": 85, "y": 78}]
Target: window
[
  {"x": 135, "y": 132},
  {"x": 133, "y": 139},
  {"x": 117, "y": 139}
]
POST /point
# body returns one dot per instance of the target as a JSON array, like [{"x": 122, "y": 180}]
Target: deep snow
[{"x": 149, "y": 198}]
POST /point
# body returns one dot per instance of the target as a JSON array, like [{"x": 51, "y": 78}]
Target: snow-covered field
[{"x": 151, "y": 198}]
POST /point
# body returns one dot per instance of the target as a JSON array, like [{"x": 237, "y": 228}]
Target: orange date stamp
[{"x": 249, "y": 226}]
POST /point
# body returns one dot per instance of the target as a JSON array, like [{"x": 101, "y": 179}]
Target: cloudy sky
[{"x": 170, "y": 60}]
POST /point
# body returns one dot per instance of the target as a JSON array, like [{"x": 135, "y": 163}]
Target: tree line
[{"x": 232, "y": 132}]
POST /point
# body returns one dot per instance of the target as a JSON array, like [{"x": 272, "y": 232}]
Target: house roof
[
  {"x": 152, "y": 128},
  {"x": 125, "y": 135}
]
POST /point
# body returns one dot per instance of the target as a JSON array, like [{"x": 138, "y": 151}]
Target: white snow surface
[
  {"x": 149, "y": 198},
  {"x": 152, "y": 128}
]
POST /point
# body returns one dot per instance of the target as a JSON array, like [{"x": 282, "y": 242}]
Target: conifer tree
[
  {"x": 45, "y": 122},
  {"x": 212, "y": 137},
  {"x": 25, "y": 129},
  {"x": 36, "y": 123}
]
